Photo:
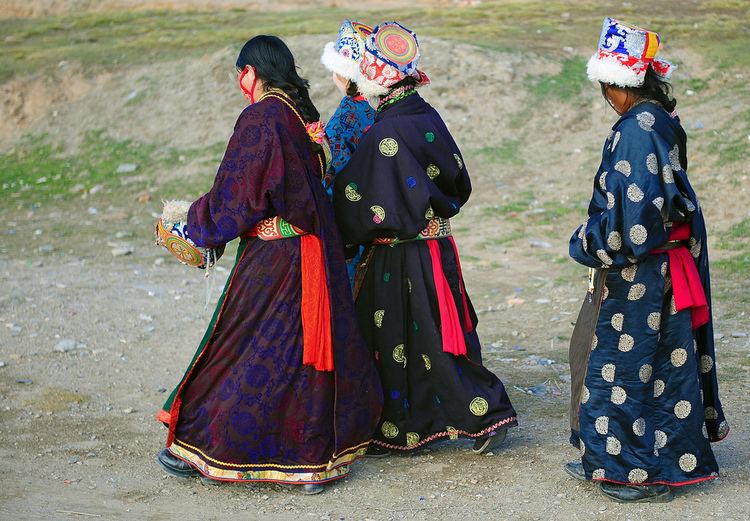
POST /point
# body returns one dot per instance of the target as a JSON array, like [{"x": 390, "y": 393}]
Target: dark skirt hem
[
  {"x": 454, "y": 434},
  {"x": 659, "y": 482}
]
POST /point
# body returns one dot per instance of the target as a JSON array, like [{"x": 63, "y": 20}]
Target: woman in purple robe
[{"x": 281, "y": 388}]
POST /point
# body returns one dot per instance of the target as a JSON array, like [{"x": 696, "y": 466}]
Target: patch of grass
[
  {"x": 736, "y": 237},
  {"x": 37, "y": 169},
  {"x": 738, "y": 265},
  {"x": 565, "y": 85},
  {"x": 517, "y": 206},
  {"x": 716, "y": 28},
  {"x": 508, "y": 151}
]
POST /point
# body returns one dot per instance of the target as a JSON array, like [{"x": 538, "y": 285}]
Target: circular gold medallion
[
  {"x": 379, "y": 314},
  {"x": 389, "y": 429},
  {"x": 479, "y": 406},
  {"x": 388, "y": 147},
  {"x": 351, "y": 192},
  {"x": 398, "y": 354},
  {"x": 433, "y": 171},
  {"x": 412, "y": 438}
]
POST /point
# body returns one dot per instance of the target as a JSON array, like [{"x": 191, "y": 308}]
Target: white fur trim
[
  {"x": 175, "y": 211},
  {"x": 342, "y": 66},
  {"x": 369, "y": 88},
  {"x": 610, "y": 70}
]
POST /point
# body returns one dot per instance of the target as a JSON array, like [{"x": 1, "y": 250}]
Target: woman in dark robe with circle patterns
[
  {"x": 645, "y": 401},
  {"x": 395, "y": 196},
  {"x": 282, "y": 388}
]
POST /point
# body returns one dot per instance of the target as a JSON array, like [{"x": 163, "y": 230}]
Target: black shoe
[
  {"x": 312, "y": 488},
  {"x": 493, "y": 440},
  {"x": 575, "y": 470},
  {"x": 636, "y": 493},
  {"x": 174, "y": 465},
  {"x": 376, "y": 451}
]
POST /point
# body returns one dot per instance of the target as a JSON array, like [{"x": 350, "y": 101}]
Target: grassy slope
[{"x": 714, "y": 27}]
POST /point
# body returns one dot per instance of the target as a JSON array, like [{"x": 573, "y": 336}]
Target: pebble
[
  {"x": 536, "y": 243},
  {"x": 25, "y": 381},
  {"x": 542, "y": 301},
  {"x": 739, "y": 334},
  {"x": 122, "y": 251},
  {"x": 66, "y": 345},
  {"x": 46, "y": 248},
  {"x": 93, "y": 211},
  {"x": 145, "y": 318},
  {"x": 718, "y": 336},
  {"x": 129, "y": 410},
  {"x": 126, "y": 168},
  {"x": 2, "y": 364},
  {"x": 149, "y": 329},
  {"x": 158, "y": 261}
]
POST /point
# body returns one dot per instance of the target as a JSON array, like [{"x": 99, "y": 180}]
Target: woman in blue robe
[{"x": 645, "y": 404}]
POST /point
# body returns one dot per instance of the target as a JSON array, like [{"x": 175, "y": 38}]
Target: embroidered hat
[
  {"x": 624, "y": 54},
  {"x": 391, "y": 54},
  {"x": 343, "y": 55}
]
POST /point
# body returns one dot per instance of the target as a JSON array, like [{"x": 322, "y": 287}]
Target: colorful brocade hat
[
  {"x": 624, "y": 54},
  {"x": 343, "y": 55},
  {"x": 391, "y": 55}
]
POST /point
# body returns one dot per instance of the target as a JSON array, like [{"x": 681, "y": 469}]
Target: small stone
[
  {"x": 46, "y": 248},
  {"x": 535, "y": 243},
  {"x": 96, "y": 188},
  {"x": 542, "y": 301},
  {"x": 2, "y": 364},
  {"x": 159, "y": 390},
  {"x": 739, "y": 334},
  {"x": 149, "y": 329},
  {"x": 158, "y": 261},
  {"x": 126, "y": 168},
  {"x": 718, "y": 336},
  {"x": 145, "y": 318},
  {"x": 66, "y": 345},
  {"x": 122, "y": 251},
  {"x": 24, "y": 381},
  {"x": 129, "y": 410},
  {"x": 690, "y": 92}
]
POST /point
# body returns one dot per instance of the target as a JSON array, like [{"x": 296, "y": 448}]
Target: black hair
[
  {"x": 352, "y": 89},
  {"x": 653, "y": 89},
  {"x": 274, "y": 65},
  {"x": 409, "y": 81}
]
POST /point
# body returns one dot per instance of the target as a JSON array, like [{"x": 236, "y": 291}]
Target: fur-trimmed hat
[
  {"x": 343, "y": 55},
  {"x": 624, "y": 54},
  {"x": 391, "y": 54}
]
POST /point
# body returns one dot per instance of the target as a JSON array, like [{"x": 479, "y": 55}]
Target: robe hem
[
  {"x": 508, "y": 422},
  {"x": 668, "y": 483},
  {"x": 336, "y": 468}
]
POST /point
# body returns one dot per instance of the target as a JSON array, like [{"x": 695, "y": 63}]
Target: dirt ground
[{"x": 91, "y": 341}]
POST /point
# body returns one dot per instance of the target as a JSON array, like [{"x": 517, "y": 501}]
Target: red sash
[{"x": 686, "y": 282}]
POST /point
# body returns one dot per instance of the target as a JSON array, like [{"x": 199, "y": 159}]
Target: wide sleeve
[
  {"x": 344, "y": 131},
  {"x": 396, "y": 181},
  {"x": 627, "y": 212},
  {"x": 245, "y": 183}
]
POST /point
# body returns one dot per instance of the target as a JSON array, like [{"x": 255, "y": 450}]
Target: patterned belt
[
  {"x": 437, "y": 228},
  {"x": 275, "y": 228}
]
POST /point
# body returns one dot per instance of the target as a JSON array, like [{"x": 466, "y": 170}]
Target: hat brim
[
  {"x": 610, "y": 70},
  {"x": 342, "y": 66}
]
